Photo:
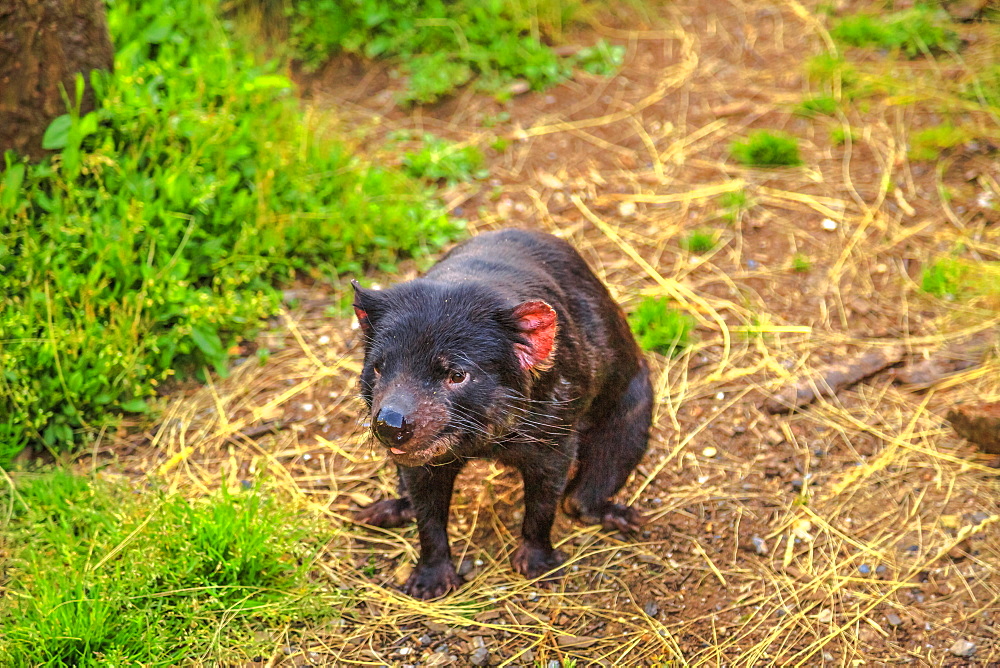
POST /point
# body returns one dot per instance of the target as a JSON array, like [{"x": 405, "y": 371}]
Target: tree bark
[{"x": 45, "y": 43}]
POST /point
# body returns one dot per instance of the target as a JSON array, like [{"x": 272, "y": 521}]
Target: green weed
[
  {"x": 106, "y": 575},
  {"x": 920, "y": 29},
  {"x": 928, "y": 144},
  {"x": 801, "y": 263},
  {"x": 821, "y": 104},
  {"x": 767, "y": 149},
  {"x": 734, "y": 203},
  {"x": 438, "y": 159},
  {"x": 660, "y": 327},
  {"x": 443, "y": 45},
  {"x": 603, "y": 59},
  {"x": 839, "y": 136},
  {"x": 700, "y": 241},
  {"x": 954, "y": 277},
  {"x": 152, "y": 240}
]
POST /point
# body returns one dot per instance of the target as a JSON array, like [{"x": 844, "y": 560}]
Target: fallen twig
[{"x": 831, "y": 379}]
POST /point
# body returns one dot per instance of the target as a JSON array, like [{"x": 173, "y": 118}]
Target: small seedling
[
  {"x": 929, "y": 143},
  {"x": 603, "y": 59},
  {"x": 733, "y": 204},
  {"x": 954, "y": 277},
  {"x": 442, "y": 160},
  {"x": 822, "y": 104},
  {"x": 801, "y": 263},
  {"x": 839, "y": 136},
  {"x": 767, "y": 149},
  {"x": 921, "y": 29},
  {"x": 700, "y": 241},
  {"x": 660, "y": 327}
]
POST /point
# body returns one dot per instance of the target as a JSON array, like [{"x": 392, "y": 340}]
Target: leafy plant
[
  {"x": 801, "y": 263},
  {"x": 152, "y": 241},
  {"x": 920, "y": 29},
  {"x": 767, "y": 149},
  {"x": 438, "y": 159},
  {"x": 660, "y": 327},
  {"x": 105, "y": 575},
  {"x": 603, "y": 59},
  {"x": 839, "y": 136},
  {"x": 954, "y": 277},
  {"x": 733, "y": 204},
  {"x": 928, "y": 144},
  {"x": 700, "y": 241},
  {"x": 821, "y": 104},
  {"x": 442, "y": 45}
]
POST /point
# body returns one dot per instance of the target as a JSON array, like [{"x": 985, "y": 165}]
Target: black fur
[{"x": 461, "y": 364}]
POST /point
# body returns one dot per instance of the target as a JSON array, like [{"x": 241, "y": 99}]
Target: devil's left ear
[
  {"x": 536, "y": 321},
  {"x": 366, "y": 306}
]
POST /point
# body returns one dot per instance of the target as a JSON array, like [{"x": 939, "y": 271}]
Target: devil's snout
[{"x": 391, "y": 426}]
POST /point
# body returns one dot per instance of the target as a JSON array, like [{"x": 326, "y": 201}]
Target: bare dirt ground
[{"x": 859, "y": 531}]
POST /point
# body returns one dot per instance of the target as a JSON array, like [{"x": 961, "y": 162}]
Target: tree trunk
[{"x": 45, "y": 43}]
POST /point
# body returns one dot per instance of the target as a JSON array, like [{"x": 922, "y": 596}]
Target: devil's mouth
[{"x": 438, "y": 446}]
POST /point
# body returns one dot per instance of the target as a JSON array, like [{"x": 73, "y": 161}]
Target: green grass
[
  {"x": 801, "y": 264},
  {"x": 700, "y": 241},
  {"x": 734, "y": 203},
  {"x": 928, "y": 144},
  {"x": 958, "y": 278},
  {"x": 918, "y": 30},
  {"x": 839, "y": 136},
  {"x": 767, "y": 149},
  {"x": 441, "y": 45},
  {"x": 661, "y": 328},
  {"x": 153, "y": 239},
  {"x": 104, "y": 574},
  {"x": 437, "y": 159},
  {"x": 814, "y": 106}
]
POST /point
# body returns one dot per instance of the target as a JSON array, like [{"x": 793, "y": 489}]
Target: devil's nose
[{"x": 391, "y": 427}]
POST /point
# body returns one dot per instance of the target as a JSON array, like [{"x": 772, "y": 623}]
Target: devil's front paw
[
  {"x": 388, "y": 514},
  {"x": 533, "y": 561},
  {"x": 426, "y": 582}
]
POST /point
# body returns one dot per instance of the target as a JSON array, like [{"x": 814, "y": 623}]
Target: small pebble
[
  {"x": 963, "y": 648},
  {"x": 881, "y": 569},
  {"x": 829, "y": 657},
  {"x": 893, "y": 619},
  {"x": 404, "y": 651},
  {"x": 426, "y": 639},
  {"x": 709, "y": 452},
  {"x": 752, "y": 264},
  {"x": 720, "y": 396},
  {"x": 323, "y": 340},
  {"x": 759, "y": 546},
  {"x": 829, "y": 225},
  {"x": 307, "y": 407},
  {"x": 797, "y": 484},
  {"x": 825, "y": 616},
  {"x": 702, "y": 479},
  {"x": 865, "y": 569},
  {"x": 553, "y": 663},
  {"x": 480, "y": 657},
  {"x": 651, "y": 608}
]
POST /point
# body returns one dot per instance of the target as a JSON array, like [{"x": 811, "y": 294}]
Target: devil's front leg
[
  {"x": 544, "y": 469},
  {"x": 429, "y": 489}
]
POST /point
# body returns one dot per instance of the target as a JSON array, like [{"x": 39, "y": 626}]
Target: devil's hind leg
[{"x": 609, "y": 450}]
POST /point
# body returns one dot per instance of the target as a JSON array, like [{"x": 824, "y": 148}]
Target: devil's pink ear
[
  {"x": 537, "y": 323},
  {"x": 364, "y": 301}
]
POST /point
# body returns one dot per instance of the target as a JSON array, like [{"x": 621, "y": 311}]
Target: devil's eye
[{"x": 457, "y": 377}]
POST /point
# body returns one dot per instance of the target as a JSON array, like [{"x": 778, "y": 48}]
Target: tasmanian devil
[{"x": 509, "y": 348}]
